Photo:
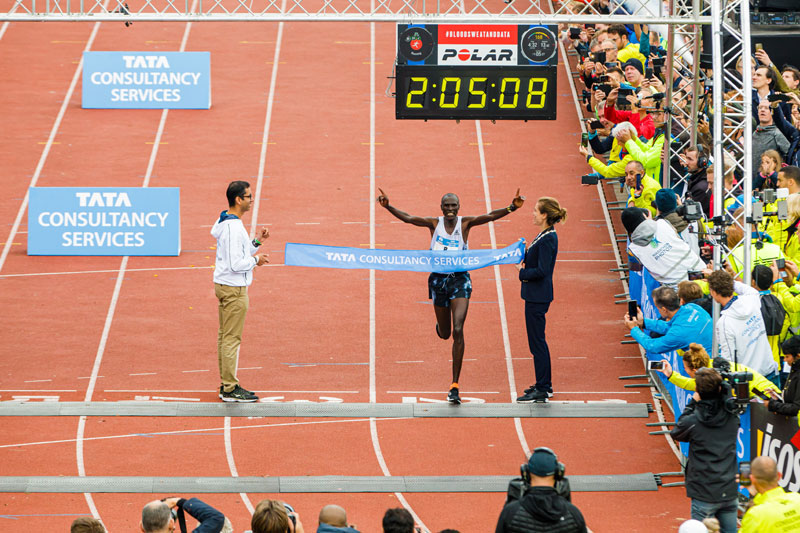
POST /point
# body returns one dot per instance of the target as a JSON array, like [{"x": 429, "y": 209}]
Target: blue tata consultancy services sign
[
  {"x": 147, "y": 80},
  {"x": 104, "y": 221}
]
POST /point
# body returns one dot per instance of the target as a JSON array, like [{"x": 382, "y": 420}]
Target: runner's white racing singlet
[{"x": 441, "y": 240}]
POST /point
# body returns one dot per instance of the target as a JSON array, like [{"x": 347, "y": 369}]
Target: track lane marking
[{"x": 373, "y": 426}]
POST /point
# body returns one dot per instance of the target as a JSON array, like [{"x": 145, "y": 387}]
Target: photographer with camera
[
  {"x": 539, "y": 502},
  {"x": 773, "y": 509},
  {"x": 710, "y": 428},
  {"x": 683, "y": 217},
  {"x": 272, "y": 516},
  {"x": 161, "y": 516}
]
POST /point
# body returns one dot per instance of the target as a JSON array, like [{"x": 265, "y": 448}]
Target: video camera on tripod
[{"x": 735, "y": 385}]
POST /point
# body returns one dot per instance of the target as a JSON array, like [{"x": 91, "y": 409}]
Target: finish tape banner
[
  {"x": 104, "y": 221},
  {"x": 146, "y": 80},
  {"x": 314, "y": 255}
]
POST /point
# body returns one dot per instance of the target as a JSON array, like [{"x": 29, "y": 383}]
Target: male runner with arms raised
[{"x": 450, "y": 292}]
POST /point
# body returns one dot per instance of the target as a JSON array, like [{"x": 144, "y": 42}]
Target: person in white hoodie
[
  {"x": 656, "y": 245},
  {"x": 233, "y": 273},
  {"x": 740, "y": 328}
]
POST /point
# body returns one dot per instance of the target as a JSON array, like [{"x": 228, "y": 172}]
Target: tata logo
[
  {"x": 103, "y": 199},
  {"x": 145, "y": 61},
  {"x": 505, "y": 54}
]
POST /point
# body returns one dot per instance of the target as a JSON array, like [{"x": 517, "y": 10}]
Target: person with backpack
[
  {"x": 740, "y": 328},
  {"x": 776, "y": 319}
]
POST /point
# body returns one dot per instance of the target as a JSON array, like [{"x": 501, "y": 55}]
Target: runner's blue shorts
[{"x": 444, "y": 287}]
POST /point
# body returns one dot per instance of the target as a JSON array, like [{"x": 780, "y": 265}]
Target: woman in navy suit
[{"x": 536, "y": 275}]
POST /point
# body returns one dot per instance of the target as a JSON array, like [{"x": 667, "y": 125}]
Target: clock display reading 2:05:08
[{"x": 429, "y": 92}]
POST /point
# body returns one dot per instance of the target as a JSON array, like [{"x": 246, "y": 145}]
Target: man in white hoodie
[
  {"x": 656, "y": 245},
  {"x": 233, "y": 273},
  {"x": 740, "y": 328}
]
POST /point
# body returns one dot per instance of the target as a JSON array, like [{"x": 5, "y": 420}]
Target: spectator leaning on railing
[
  {"x": 658, "y": 248},
  {"x": 681, "y": 326},
  {"x": 696, "y": 357}
]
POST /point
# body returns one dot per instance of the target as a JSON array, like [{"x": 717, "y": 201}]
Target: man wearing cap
[
  {"x": 667, "y": 204},
  {"x": 658, "y": 248},
  {"x": 634, "y": 71},
  {"x": 541, "y": 508}
]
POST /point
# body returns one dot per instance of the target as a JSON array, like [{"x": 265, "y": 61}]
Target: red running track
[{"x": 77, "y": 328}]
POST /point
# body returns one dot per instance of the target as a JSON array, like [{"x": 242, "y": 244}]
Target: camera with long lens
[
  {"x": 690, "y": 210},
  {"x": 735, "y": 385}
]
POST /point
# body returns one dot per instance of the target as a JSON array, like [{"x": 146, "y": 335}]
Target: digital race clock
[
  {"x": 476, "y": 71},
  {"x": 436, "y": 92}
]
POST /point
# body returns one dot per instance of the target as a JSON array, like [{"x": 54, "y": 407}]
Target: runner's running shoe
[{"x": 453, "y": 397}]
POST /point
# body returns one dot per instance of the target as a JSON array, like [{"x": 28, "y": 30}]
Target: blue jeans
[{"x": 725, "y": 512}]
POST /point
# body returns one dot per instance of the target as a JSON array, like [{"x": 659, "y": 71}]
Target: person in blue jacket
[
  {"x": 536, "y": 275},
  {"x": 681, "y": 324}
]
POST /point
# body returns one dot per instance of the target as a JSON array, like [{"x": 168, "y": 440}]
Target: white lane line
[
  {"x": 115, "y": 296},
  {"x": 308, "y": 223},
  {"x": 144, "y": 374},
  {"x": 192, "y": 371},
  {"x": 373, "y": 426},
  {"x": 262, "y": 162},
  {"x": 190, "y": 431},
  {"x": 500, "y": 297},
  {"x": 258, "y": 391},
  {"x": 250, "y": 368},
  {"x": 437, "y": 392},
  {"x": 38, "y": 390},
  {"x": 175, "y": 399},
  {"x": 46, "y": 150},
  {"x": 262, "y": 159},
  {"x": 116, "y": 270},
  {"x": 37, "y": 380},
  {"x": 6, "y": 23}
]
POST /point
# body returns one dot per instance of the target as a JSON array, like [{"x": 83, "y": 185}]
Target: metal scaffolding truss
[{"x": 452, "y": 11}]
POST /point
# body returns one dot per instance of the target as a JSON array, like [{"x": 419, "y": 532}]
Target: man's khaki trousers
[{"x": 233, "y": 304}]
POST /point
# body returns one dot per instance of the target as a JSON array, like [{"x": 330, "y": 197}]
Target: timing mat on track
[
  {"x": 328, "y": 410},
  {"x": 306, "y": 484}
]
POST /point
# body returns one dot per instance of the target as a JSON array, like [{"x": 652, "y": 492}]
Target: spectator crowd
[{"x": 641, "y": 133}]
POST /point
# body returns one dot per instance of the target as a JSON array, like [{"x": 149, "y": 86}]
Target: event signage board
[
  {"x": 314, "y": 255},
  {"x": 104, "y": 221},
  {"x": 476, "y": 71},
  {"x": 777, "y": 436},
  {"x": 146, "y": 80}
]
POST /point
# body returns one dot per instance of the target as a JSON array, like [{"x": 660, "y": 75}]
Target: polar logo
[{"x": 476, "y": 55}]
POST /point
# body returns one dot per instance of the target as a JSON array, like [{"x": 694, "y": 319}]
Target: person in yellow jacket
[
  {"x": 774, "y": 510},
  {"x": 789, "y": 299},
  {"x": 763, "y": 278},
  {"x": 642, "y": 187},
  {"x": 696, "y": 358},
  {"x": 761, "y": 252},
  {"x": 647, "y": 153},
  {"x": 626, "y": 50}
]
